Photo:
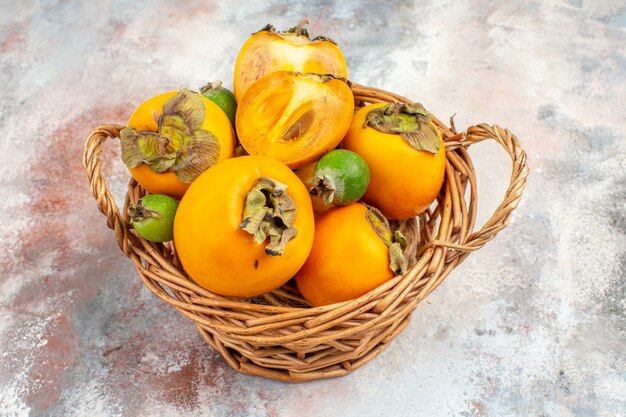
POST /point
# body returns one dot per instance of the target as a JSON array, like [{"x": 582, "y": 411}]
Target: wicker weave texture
[{"x": 279, "y": 335}]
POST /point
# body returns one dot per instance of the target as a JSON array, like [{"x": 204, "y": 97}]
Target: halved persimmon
[
  {"x": 294, "y": 117},
  {"x": 269, "y": 50}
]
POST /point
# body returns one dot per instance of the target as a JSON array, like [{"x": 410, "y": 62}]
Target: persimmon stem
[
  {"x": 324, "y": 186},
  {"x": 140, "y": 212},
  {"x": 300, "y": 26},
  {"x": 211, "y": 86}
]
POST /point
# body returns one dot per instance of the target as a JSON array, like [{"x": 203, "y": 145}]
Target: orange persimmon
[
  {"x": 405, "y": 153},
  {"x": 269, "y": 50},
  {"x": 244, "y": 227},
  {"x": 172, "y": 138},
  {"x": 294, "y": 117},
  {"x": 351, "y": 255}
]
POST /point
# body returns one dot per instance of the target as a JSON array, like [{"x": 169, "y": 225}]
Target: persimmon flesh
[{"x": 294, "y": 117}]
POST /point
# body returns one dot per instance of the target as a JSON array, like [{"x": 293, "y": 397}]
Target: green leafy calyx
[
  {"x": 396, "y": 242},
  {"x": 179, "y": 145},
  {"x": 410, "y": 121}
]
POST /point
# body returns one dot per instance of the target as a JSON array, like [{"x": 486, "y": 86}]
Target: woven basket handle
[
  {"x": 500, "y": 219},
  {"x": 97, "y": 184}
]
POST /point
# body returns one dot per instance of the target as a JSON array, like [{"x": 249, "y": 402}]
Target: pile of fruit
[{"x": 284, "y": 178}]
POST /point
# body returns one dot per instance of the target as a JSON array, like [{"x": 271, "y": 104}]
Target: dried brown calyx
[
  {"x": 324, "y": 186},
  {"x": 396, "y": 242},
  {"x": 213, "y": 85},
  {"x": 179, "y": 145},
  {"x": 299, "y": 30},
  {"x": 411, "y": 121},
  {"x": 140, "y": 212},
  {"x": 269, "y": 212}
]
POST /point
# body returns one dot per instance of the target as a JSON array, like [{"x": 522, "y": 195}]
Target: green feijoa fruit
[
  {"x": 340, "y": 177},
  {"x": 223, "y": 97},
  {"x": 153, "y": 217}
]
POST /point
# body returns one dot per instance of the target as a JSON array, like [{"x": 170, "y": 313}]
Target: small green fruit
[
  {"x": 153, "y": 217},
  {"x": 223, "y": 97},
  {"x": 340, "y": 177}
]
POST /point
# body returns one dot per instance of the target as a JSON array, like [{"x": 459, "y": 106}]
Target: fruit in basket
[
  {"x": 305, "y": 174},
  {"x": 405, "y": 153},
  {"x": 223, "y": 97},
  {"x": 340, "y": 177},
  {"x": 354, "y": 251},
  {"x": 153, "y": 217},
  {"x": 294, "y": 117},
  {"x": 244, "y": 227},
  {"x": 173, "y": 138},
  {"x": 269, "y": 50}
]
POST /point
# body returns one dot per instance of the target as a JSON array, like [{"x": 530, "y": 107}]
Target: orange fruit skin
[
  {"x": 143, "y": 120},
  {"x": 347, "y": 260},
  {"x": 266, "y": 52},
  {"x": 220, "y": 256},
  {"x": 164, "y": 183},
  {"x": 404, "y": 181},
  {"x": 293, "y": 117}
]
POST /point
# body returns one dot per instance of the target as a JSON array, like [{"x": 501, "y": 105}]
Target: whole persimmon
[
  {"x": 405, "y": 154},
  {"x": 174, "y": 137},
  {"x": 353, "y": 252},
  {"x": 244, "y": 227}
]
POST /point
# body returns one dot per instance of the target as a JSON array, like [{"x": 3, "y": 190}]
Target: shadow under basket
[{"x": 279, "y": 335}]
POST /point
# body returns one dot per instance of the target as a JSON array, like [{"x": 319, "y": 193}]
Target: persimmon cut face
[
  {"x": 294, "y": 117},
  {"x": 269, "y": 51}
]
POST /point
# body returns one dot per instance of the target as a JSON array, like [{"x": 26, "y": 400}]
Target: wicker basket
[{"x": 278, "y": 335}]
